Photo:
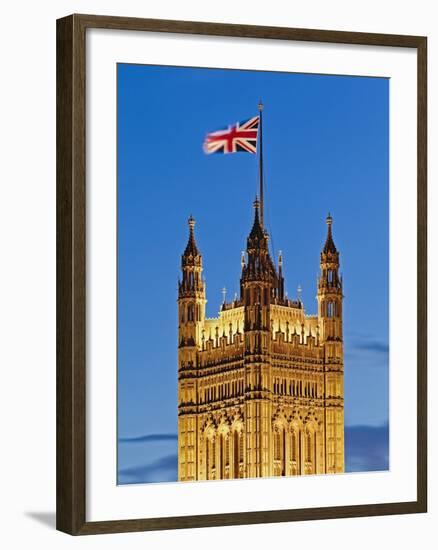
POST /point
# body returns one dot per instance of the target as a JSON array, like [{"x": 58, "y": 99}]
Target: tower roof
[
  {"x": 259, "y": 265},
  {"x": 257, "y": 233},
  {"x": 329, "y": 246},
  {"x": 191, "y": 248}
]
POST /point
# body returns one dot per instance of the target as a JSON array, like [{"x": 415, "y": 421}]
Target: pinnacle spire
[
  {"x": 257, "y": 231},
  {"x": 329, "y": 246},
  {"x": 191, "y": 248}
]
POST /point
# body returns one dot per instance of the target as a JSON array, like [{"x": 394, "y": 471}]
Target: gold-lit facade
[{"x": 260, "y": 387}]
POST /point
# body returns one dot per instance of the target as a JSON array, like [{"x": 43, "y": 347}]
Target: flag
[{"x": 242, "y": 137}]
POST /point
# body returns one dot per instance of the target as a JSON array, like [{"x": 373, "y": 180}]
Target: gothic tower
[
  {"x": 259, "y": 284},
  {"x": 330, "y": 320},
  {"x": 191, "y": 315},
  {"x": 260, "y": 386}
]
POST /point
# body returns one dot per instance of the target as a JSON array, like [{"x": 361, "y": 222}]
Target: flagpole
[{"x": 261, "y": 160}]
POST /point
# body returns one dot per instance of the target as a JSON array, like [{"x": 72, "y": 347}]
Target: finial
[
  {"x": 191, "y": 248},
  {"x": 224, "y": 293},
  {"x": 299, "y": 290},
  {"x": 260, "y": 106},
  {"x": 329, "y": 246},
  {"x": 280, "y": 258},
  {"x": 242, "y": 259}
]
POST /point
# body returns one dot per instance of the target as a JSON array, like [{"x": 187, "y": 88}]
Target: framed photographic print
[{"x": 241, "y": 274}]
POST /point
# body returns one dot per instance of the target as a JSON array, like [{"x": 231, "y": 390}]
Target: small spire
[
  {"x": 191, "y": 248},
  {"x": 257, "y": 231},
  {"x": 329, "y": 245},
  {"x": 280, "y": 259},
  {"x": 224, "y": 294},
  {"x": 299, "y": 290}
]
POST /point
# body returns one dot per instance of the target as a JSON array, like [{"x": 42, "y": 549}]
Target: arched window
[
  {"x": 213, "y": 452},
  {"x": 236, "y": 461},
  {"x": 309, "y": 447},
  {"x": 190, "y": 312},
  {"x": 277, "y": 445},
  {"x": 241, "y": 454},
  {"x": 280, "y": 451},
  {"x": 330, "y": 276},
  {"x": 294, "y": 447},
  {"x": 210, "y": 457},
  {"x": 310, "y": 452},
  {"x": 221, "y": 457},
  {"x": 330, "y": 309}
]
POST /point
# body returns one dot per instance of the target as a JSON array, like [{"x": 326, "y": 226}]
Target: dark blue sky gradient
[{"x": 326, "y": 142}]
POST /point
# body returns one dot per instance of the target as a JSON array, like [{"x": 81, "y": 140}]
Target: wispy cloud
[
  {"x": 163, "y": 469},
  {"x": 372, "y": 345},
  {"x": 366, "y": 448},
  {"x": 150, "y": 438}
]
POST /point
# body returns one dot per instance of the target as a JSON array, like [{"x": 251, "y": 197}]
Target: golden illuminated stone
[{"x": 260, "y": 387}]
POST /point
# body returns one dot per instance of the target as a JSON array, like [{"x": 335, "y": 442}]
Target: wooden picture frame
[{"x": 71, "y": 273}]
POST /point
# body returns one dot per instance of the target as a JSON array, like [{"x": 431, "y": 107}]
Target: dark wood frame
[{"x": 71, "y": 266}]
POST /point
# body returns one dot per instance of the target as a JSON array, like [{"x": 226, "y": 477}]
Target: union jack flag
[{"x": 240, "y": 137}]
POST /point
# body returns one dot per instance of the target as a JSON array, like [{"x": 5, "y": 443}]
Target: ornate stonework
[{"x": 260, "y": 387}]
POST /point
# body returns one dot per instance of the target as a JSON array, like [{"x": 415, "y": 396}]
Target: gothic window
[
  {"x": 310, "y": 451},
  {"x": 190, "y": 313},
  {"x": 294, "y": 447},
  {"x": 280, "y": 450},
  {"x": 210, "y": 457},
  {"x": 236, "y": 454},
  {"x": 241, "y": 455},
  {"x": 222, "y": 456},
  {"x": 330, "y": 309},
  {"x": 213, "y": 453},
  {"x": 330, "y": 276}
]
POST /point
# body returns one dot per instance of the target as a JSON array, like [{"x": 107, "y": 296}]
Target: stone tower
[
  {"x": 330, "y": 313},
  {"x": 260, "y": 387},
  {"x": 191, "y": 315}
]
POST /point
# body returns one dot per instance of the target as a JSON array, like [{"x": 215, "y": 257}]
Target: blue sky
[{"x": 326, "y": 142}]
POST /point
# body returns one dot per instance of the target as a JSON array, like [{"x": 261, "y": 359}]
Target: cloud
[
  {"x": 151, "y": 438},
  {"x": 366, "y": 448},
  {"x": 372, "y": 345},
  {"x": 163, "y": 469}
]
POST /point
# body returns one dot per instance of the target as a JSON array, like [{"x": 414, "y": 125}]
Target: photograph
[{"x": 252, "y": 274}]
